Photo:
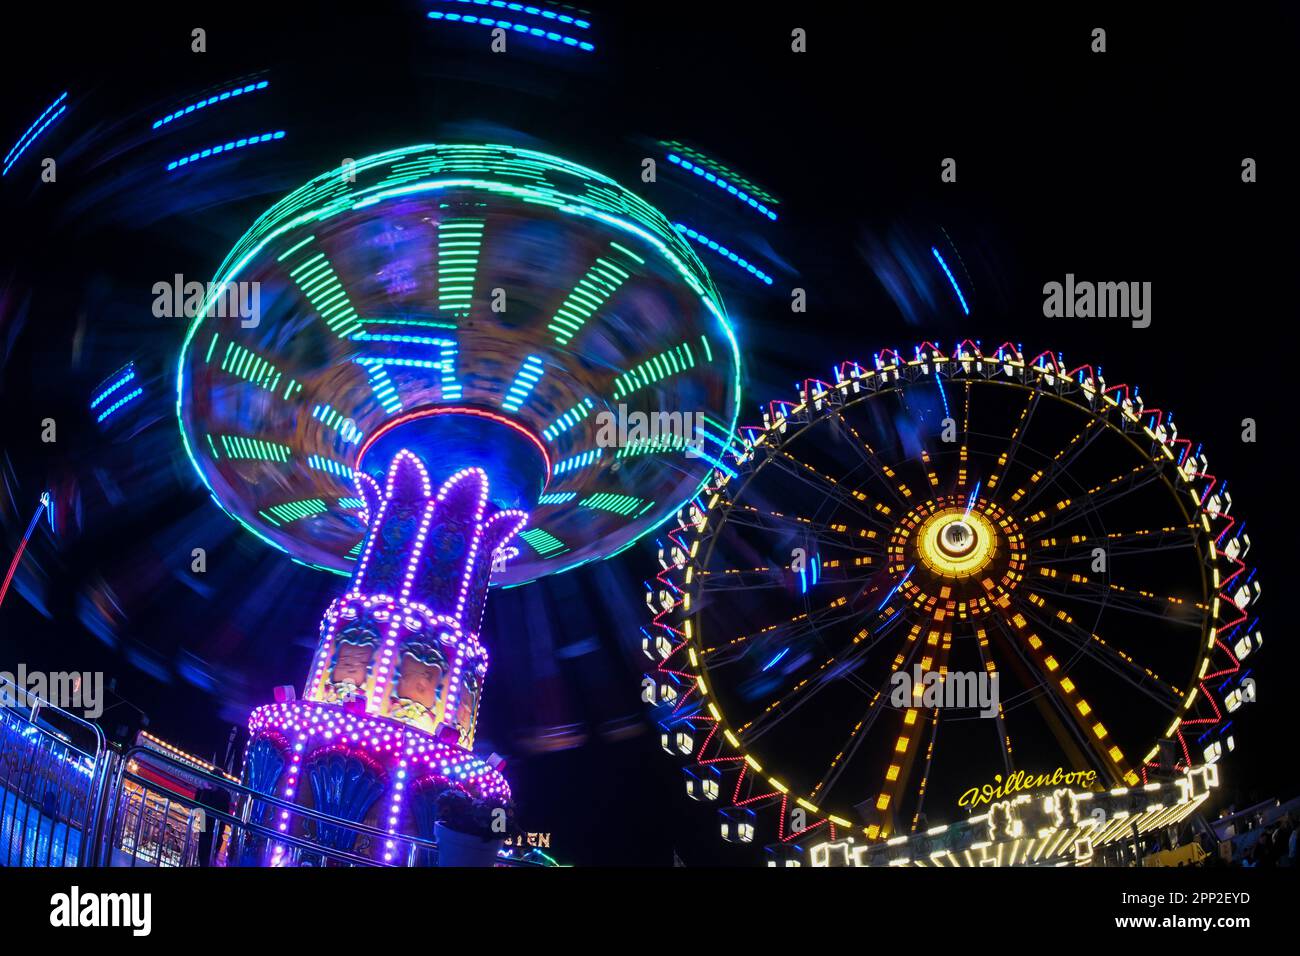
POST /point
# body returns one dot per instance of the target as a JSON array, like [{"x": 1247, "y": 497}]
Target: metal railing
[
  {"x": 53, "y": 767},
  {"x": 149, "y": 824},
  {"x": 67, "y": 799}
]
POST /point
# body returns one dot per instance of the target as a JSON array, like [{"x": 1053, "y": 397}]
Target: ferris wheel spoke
[
  {"x": 872, "y": 460},
  {"x": 860, "y": 732},
  {"x": 830, "y": 670},
  {"x": 991, "y": 668},
  {"x": 1114, "y": 490},
  {"x": 794, "y": 629},
  {"x": 1128, "y": 601},
  {"x": 1017, "y": 438},
  {"x": 1068, "y": 721},
  {"x": 1078, "y": 547},
  {"x": 907, "y": 747},
  {"x": 1065, "y": 459},
  {"x": 834, "y": 537},
  {"x": 1118, "y": 662},
  {"x": 925, "y": 773},
  {"x": 810, "y": 476}
]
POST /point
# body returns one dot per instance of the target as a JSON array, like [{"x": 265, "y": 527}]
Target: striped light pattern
[
  {"x": 319, "y": 283},
  {"x": 119, "y": 379},
  {"x": 540, "y": 32},
  {"x": 592, "y": 291},
  {"x": 248, "y": 365},
  {"x": 321, "y": 463},
  {"x": 332, "y": 419},
  {"x": 525, "y": 381},
  {"x": 459, "y": 244},
  {"x": 543, "y": 542},
  {"x": 226, "y": 147},
  {"x": 721, "y": 183},
  {"x": 33, "y": 132},
  {"x": 718, "y": 168},
  {"x": 216, "y": 98},
  {"x": 646, "y": 446},
  {"x": 577, "y": 461},
  {"x": 128, "y": 397},
  {"x": 531, "y": 10},
  {"x": 557, "y": 497},
  {"x": 570, "y": 418},
  {"x": 445, "y": 363},
  {"x": 383, "y": 387},
  {"x": 677, "y": 359},
  {"x": 619, "y": 504},
  {"x": 237, "y": 446},
  {"x": 723, "y": 251},
  {"x": 293, "y": 510}
]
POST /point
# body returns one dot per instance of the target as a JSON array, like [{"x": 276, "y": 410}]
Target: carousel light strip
[
  {"x": 669, "y": 362},
  {"x": 224, "y": 148},
  {"x": 720, "y": 169},
  {"x": 543, "y": 542},
  {"x": 606, "y": 501},
  {"x": 722, "y": 184},
  {"x": 526, "y": 379},
  {"x": 578, "y": 461},
  {"x": 557, "y": 497},
  {"x": 723, "y": 251},
  {"x": 333, "y": 420},
  {"x": 237, "y": 446},
  {"x": 570, "y": 418},
  {"x": 294, "y": 510},
  {"x": 316, "y": 277},
  {"x": 248, "y": 365},
  {"x": 330, "y": 466},
  {"x": 126, "y": 374},
  {"x": 201, "y": 104},
  {"x": 952, "y": 280},
  {"x": 550, "y": 35},
  {"x": 459, "y": 244},
  {"x": 534, "y": 11},
  {"x": 590, "y": 293},
  {"x": 646, "y": 446},
  {"x": 133, "y": 394},
  {"x": 33, "y": 132}
]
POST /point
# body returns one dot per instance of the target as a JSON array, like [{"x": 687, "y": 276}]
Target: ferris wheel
[{"x": 1008, "y": 524}]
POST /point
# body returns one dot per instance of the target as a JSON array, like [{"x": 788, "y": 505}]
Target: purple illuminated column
[{"x": 403, "y": 641}]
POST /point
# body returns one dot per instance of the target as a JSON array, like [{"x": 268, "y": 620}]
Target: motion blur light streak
[
  {"x": 22, "y": 545},
  {"x": 33, "y": 132}
]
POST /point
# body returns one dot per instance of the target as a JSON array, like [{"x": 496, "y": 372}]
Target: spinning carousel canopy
[{"x": 484, "y": 306}]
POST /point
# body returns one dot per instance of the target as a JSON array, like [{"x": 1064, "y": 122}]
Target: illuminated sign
[
  {"x": 541, "y": 841},
  {"x": 1019, "y": 781}
]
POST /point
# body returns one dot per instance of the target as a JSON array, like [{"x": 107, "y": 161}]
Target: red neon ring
[{"x": 429, "y": 412}]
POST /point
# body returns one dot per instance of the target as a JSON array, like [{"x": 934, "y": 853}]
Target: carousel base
[{"x": 357, "y": 768}]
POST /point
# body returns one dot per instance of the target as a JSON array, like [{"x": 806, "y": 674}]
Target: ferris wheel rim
[{"x": 1099, "y": 406}]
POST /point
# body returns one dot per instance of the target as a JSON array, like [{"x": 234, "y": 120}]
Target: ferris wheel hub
[
  {"x": 957, "y": 543},
  {"x": 957, "y": 539}
]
